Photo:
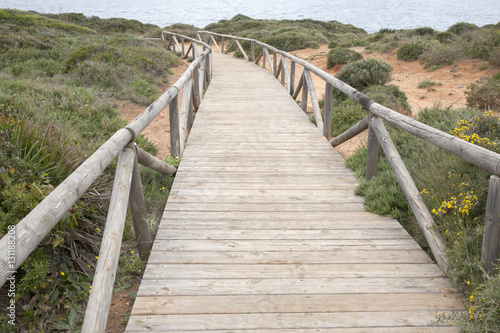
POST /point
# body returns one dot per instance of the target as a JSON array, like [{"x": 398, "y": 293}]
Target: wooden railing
[
  {"x": 378, "y": 135},
  {"x": 127, "y": 187}
]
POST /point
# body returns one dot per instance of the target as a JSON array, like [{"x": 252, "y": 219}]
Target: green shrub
[
  {"x": 347, "y": 113},
  {"x": 341, "y": 55},
  {"x": 426, "y": 84},
  {"x": 484, "y": 94},
  {"x": 363, "y": 73},
  {"x": 461, "y": 28},
  {"x": 424, "y": 31},
  {"x": 441, "y": 54},
  {"x": 495, "y": 56},
  {"x": 445, "y": 37},
  {"x": 412, "y": 50}
]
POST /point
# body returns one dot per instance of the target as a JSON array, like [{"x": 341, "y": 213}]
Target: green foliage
[
  {"x": 364, "y": 73},
  {"x": 58, "y": 84},
  {"x": 32, "y": 22},
  {"x": 445, "y": 37},
  {"x": 105, "y": 26},
  {"x": 346, "y": 113},
  {"x": 426, "y": 84},
  {"x": 412, "y": 50},
  {"x": 461, "y": 28},
  {"x": 484, "y": 94},
  {"x": 437, "y": 54},
  {"x": 424, "y": 31},
  {"x": 286, "y": 35},
  {"x": 340, "y": 55}
]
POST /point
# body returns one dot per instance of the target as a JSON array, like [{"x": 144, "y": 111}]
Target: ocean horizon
[{"x": 370, "y": 15}]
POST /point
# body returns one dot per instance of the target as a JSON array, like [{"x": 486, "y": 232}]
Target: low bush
[
  {"x": 412, "y": 50},
  {"x": 438, "y": 54},
  {"x": 341, "y": 55},
  {"x": 484, "y": 94},
  {"x": 364, "y": 73},
  {"x": 347, "y": 113},
  {"x": 461, "y": 28},
  {"x": 445, "y": 37}
]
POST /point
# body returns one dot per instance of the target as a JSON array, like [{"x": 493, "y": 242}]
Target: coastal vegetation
[{"x": 61, "y": 75}]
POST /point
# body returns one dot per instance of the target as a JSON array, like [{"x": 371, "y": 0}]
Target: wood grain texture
[{"x": 262, "y": 231}]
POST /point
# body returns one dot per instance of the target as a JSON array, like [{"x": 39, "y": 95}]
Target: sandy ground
[{"x": 451, "y": 83}]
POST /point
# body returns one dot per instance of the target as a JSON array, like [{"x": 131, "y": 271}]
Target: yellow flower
[
  {"x": 96, "y": 257},
  {"x": 62, "y": 273},
  {"x": 34, "y": 287},
  {"x": 132, "y": 252}
]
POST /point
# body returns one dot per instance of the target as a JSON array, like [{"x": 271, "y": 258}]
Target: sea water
[{"x": 371, "y": 15}]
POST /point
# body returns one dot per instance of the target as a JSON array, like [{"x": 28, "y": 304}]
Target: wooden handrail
[
  {"x": 474, "y": 154},
  {"x": 35, "y": 226}
]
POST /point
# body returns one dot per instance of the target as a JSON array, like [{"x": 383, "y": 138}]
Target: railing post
[
  {"x": 305, "y": 91},
  {"x": 104, "y": 279},
  {"x": 252, "y": 47},
  {"x": 182, "y": 46},
  {"x": 291, "y": 88},
  {"x": 372, "y": 152},
  {"x": 264, "y": 57},
  {"x": 327, "y": 111},
  {"x": 139, "y": 211},
  {"x": 275, "y": 64},
  {"x": 174, "y": 126},
  {"x": 490, "y": 253},
  {"x": 222, "y": 45}
]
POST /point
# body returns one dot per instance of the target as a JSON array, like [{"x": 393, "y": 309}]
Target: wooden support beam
[
  {"x": 490, "y": 254},
  {"x": 196, "y": 89},
  {"x": 327, "y": 111},
  {"x": 252, "y": 50},
  {"x": 216, "y": 45},
  {"x": 258, "y": 58},
  {"x": 153, "y": 163},
  {"x": 230, "y": 45},
  {"x": 268, "y": 57},
  {"x": 361, "y": 126},
  {"x": 186, "y": 109},
  {"x": 422, "y": 214},
  {"x": 139, "y": 211},
  {"x": 372, "y": 153},
  {"x": 291, "y": 86},
  {"x": 314, "y": 100},
  {"x": 99, "y": 302},
  {"x": 299, "y": 86},
  {"x": 174, "y": 127},
  {"x": 241, "y": 50}
]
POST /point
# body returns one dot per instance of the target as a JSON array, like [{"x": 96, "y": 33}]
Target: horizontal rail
[
  {"x": 35, "y": 226},
  {"x": 470, "y": 152}
]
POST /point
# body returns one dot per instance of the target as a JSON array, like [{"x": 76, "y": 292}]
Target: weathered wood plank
[
  {"x": 273, "y": 321},
  {"x": 168, "y": 305},
  {"x": 490, "y": 253},
  {"x": 159, "y": 272}
]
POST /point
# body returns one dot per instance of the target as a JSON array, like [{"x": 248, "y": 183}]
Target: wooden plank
[
  {"x": 419, "y": 329},
  {"x": 301, "y": 286},
  {"x": 162, "y": 272},
  {"x": 274, "y": 321},
  {"x": 168, "y": 305},
  {"x": 276, "y": 245},
  {"x": 164, "y": 233}
]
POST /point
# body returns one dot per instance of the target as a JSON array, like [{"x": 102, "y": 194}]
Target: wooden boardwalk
[{"x": 262, "y": 231}]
